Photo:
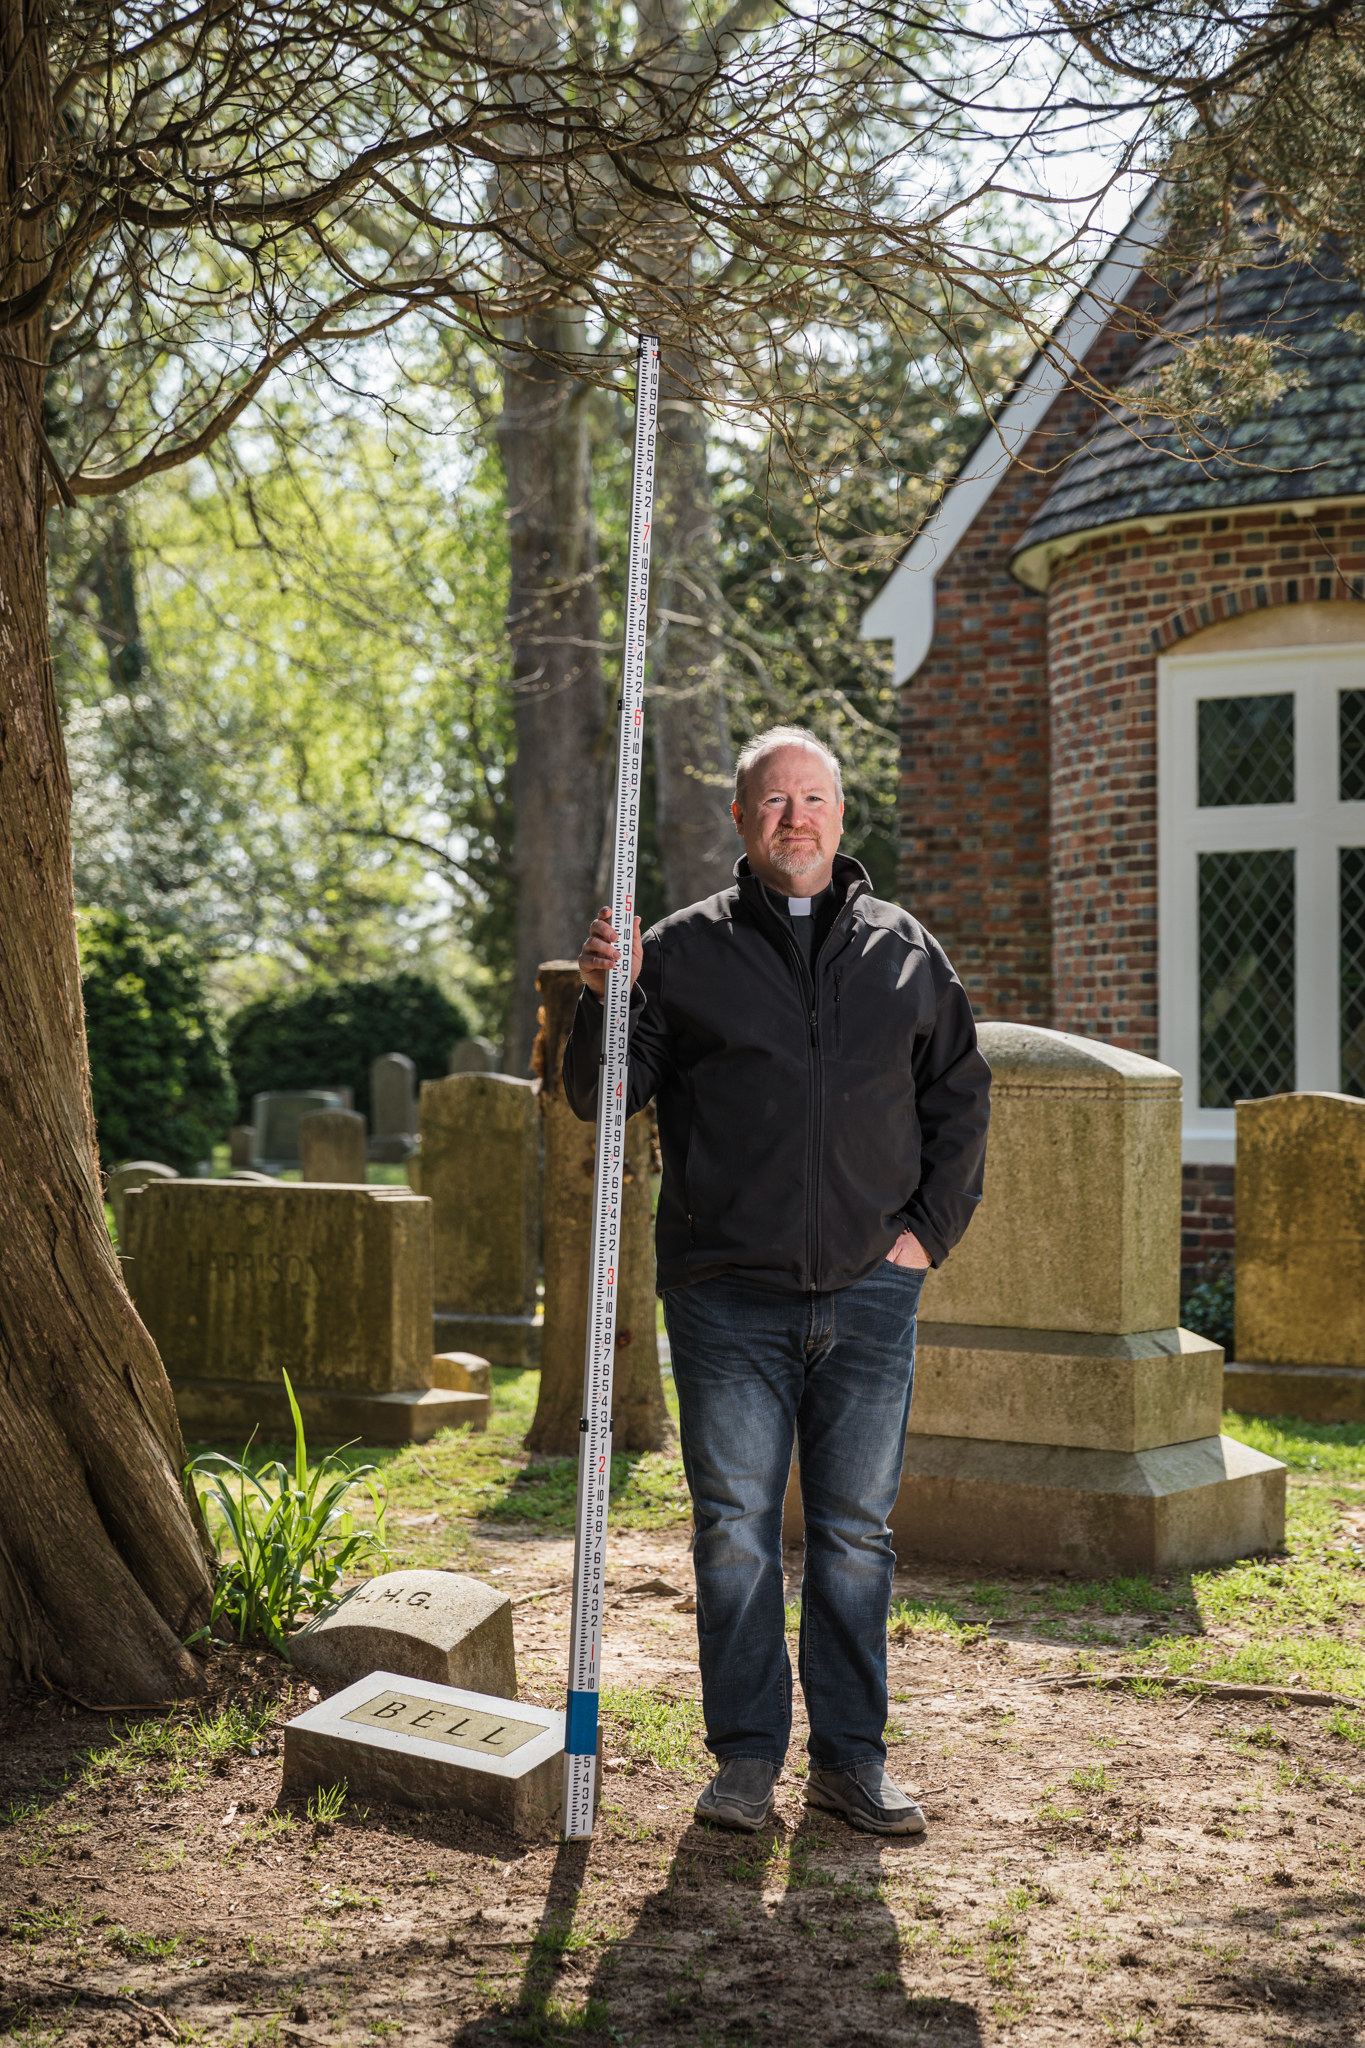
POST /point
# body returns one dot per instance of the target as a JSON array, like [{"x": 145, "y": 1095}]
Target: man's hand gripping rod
[{"x": 594, "y": 1457}]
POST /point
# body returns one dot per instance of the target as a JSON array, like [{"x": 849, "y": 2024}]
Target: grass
[
  {"x": 654, "y": 1727},
  {"x": 915, "y": 1617},
  {"x": 201, "y": 1740},
  {"x": 472, "y": 1479}
]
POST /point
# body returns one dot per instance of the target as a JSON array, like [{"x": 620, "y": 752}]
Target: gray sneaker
[
  {"x": 740, "y": 1795},
  {"x": 866, "y": 1798}
]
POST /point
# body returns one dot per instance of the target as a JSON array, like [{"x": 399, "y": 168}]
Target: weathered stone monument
[
  {"x": 125, "y": 1180},
  {"x": 480, "y": 1169},
  {"x": 241, "y": 1147},
  {"x": 1300, "y": 1343},
  {"x": 463, "y": 1370},
  {"x": 473, "y": 1056},
  {"x": 236, "y": 1280},
  {"x": 332, "y": 1147},
  {"x": 424, "y": 1624},
  {"x": 275, "y": 1118},
  {"x": 393, "y": 1108},
  {"x": 416, "y": 1743},
  {"x": 1061, "y": 1420},
  {"x": 639, "y": 1414}
]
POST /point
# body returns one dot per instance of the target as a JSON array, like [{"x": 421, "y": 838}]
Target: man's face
[{"x": 792, "y": 820}]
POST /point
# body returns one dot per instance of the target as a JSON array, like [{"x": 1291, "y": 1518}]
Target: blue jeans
[{"x": 756, "y": 1367}]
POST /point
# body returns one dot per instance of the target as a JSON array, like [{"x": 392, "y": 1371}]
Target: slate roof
[{"x": 1309, "y": 445}]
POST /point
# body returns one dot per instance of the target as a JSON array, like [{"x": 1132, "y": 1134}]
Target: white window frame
[{"x": 1316, "y": 825}]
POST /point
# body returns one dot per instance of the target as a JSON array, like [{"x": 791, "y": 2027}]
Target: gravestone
[
  {"x": 1300, "y": 1337},
  {"x": 473, "y": 1056},
  {"x": 426, "y": 1624},
  {"x": 462, "y": 1370},
  {"x": 639, "y": 1414},
  {"x": 276, "y": 1116},
  {"x": 238, "y": 1280},
  {"x": 126, "y": 1180},
  {"x": 241, "y": 1147},
  {"x": 480, "y": 1169},
  {"x": 411, "y": 1742},
  {"x": 332, "y": 1147},
  {"x": 1061, "y": 1420},
  {"x": 393, "y": 1108}
]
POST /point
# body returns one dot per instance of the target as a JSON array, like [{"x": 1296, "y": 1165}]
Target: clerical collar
[{"x": 799, "y": 906}]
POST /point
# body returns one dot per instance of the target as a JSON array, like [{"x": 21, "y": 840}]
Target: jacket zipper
[{"x": 838, "y": 1024}]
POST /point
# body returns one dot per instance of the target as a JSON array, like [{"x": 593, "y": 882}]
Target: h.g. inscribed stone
[{"x": 427, "y": 1624}]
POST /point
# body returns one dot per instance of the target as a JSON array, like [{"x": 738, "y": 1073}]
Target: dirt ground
[{"x": 1098, "y": 1867}]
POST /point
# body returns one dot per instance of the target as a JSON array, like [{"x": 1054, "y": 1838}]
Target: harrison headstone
[{"x": 236, "y": 1280}]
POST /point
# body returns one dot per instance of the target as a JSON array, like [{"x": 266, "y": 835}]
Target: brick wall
[
  {"x": 1207, "y": 1234},
  {"x": 975, "y": 734},
  {"x": 1112, "y": 607}
]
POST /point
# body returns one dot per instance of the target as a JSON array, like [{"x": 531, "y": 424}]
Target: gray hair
[{"x": 781, "y": 736}]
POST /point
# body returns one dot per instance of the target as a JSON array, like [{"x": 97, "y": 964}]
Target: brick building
[{"x": 1133, "y": 706}]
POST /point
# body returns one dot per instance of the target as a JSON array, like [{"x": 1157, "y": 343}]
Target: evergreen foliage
[
  {"x": 325, "y": 1035},
  {"x": 1209, "y": 1309},
  {"x": 158, "y": 1067}
]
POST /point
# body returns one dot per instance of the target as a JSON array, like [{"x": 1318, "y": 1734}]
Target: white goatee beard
[{"x": 796, "y": 859}]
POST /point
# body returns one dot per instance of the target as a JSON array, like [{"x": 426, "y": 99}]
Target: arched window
[{"x": 1261, "y": 809}]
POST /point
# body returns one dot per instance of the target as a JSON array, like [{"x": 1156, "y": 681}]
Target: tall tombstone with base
[
  {"x": 639, "y": 1415},
  {"x": 480, "y": 1168},
  {"x": 237, "y": 1280},
  {"x": 1300, "y": 1337},
  {"x": 332, "y": 1147},
  {"x": 1061, "y": 1420},
  {"x": 393, "y": 1108}
]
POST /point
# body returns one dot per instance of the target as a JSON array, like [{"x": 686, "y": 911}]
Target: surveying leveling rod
[{"x": 594, "y": 1451}]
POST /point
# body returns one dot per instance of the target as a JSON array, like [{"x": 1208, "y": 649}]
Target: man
[{"x": 822, "y": 1115}]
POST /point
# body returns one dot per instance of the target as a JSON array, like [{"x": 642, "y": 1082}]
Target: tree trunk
[
  {"x": 688, "y": 710},
  {"x": 101, "y": 1571},
  {"x": 560, "y": 773},
  {"x": 639, "y": 1415}
]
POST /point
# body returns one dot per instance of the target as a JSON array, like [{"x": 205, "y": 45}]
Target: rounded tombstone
[
  {"x": 473, "y": 1056},
  {"x": 127, "y": 1179}
]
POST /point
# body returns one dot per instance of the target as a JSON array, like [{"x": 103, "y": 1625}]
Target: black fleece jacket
[{"x": 807, "y": 1115}]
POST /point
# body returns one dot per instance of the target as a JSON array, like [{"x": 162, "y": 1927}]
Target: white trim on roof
[{"x": 903, "y": 609}]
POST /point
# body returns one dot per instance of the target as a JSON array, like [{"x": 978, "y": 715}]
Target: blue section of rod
[{"x": 580, "y": 1726}]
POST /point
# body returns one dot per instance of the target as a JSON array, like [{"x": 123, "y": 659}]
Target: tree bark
[
  {"x": 102, "y": 1574},
  {"x": 560, "y": 773},
  {"x": 639, "y": 1414},
  {"x": 688, "y": 710}
]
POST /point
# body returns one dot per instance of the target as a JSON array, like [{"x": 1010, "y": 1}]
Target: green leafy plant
[
  {"x": 327, "y": 1034},
  {"x": 292, "y": 1536},
  {"x": 1208, "y": 1308},
  {"x": 158, "y": 1069}
]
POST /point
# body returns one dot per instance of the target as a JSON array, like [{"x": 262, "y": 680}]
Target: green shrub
[
  {"x": 292, "y": 1534},
  {"x": 1208, "y": 1309},
  {"x": 327, "y": 1035},
  {"x": 158, "y": 1068}
]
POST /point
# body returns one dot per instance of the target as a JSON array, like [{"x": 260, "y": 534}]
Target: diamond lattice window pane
[
  {"x": 1351, "y": 727},
  {"x": 1353, "y": 968},
  {"x": 1246, "y": 976},
  {"x": 1246, "y": 750}
]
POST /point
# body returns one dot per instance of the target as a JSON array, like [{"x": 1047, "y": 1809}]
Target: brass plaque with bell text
[{"x": 461, "y": 1727}]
